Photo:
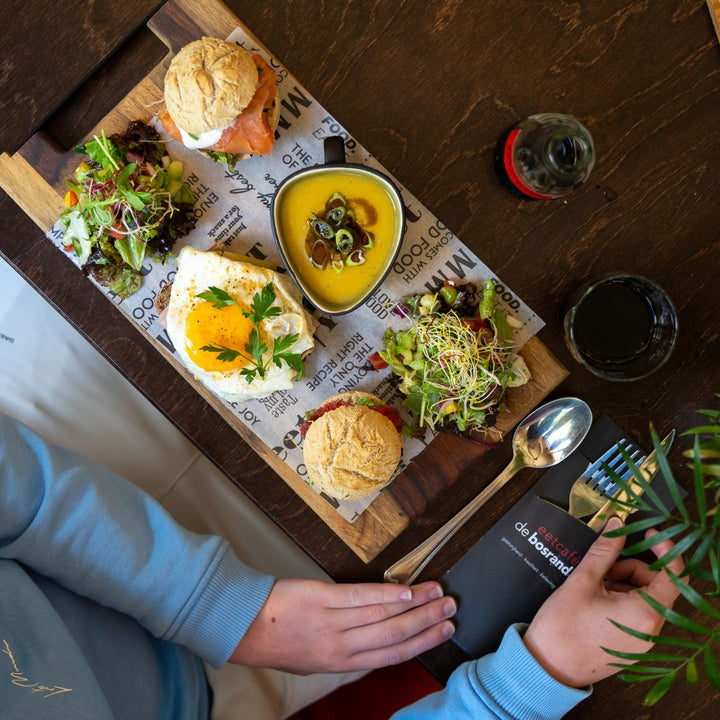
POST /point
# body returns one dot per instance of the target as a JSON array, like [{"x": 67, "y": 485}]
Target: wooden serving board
[{"x": 34, "y": 178}]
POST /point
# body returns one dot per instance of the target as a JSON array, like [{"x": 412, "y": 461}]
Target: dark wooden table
[{"x": 428, "y": 88}]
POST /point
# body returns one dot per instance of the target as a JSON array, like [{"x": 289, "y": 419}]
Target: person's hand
[
  {"x": 573, "y": 625},
  {"x": 311, "y": 626}
]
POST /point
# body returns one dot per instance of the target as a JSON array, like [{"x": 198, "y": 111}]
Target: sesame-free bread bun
[
  {"x": 352, "y": 396},
  {"x": 352, "y": 451},
  {"x": 208, "y": 84}
]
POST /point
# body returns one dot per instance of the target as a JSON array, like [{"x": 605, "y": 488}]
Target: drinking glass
[{"x": 621, "y": 327}]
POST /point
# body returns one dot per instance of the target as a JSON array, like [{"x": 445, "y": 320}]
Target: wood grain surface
[
  {"x": 428, "y": 91},
  {"x": 77, "y": 38},
  {"x": 34, "y": 177}
]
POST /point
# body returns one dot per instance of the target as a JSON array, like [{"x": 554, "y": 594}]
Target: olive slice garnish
[
  {"x": 335, "y": 200},
  {"x": 336, "y": 215},
  {"x": 356, "y": 257},
  {"x": 309, "y": 243},
  {"x": 336, "y": 238},
  {"x": 321, "y": 228},
  {"x": 344, "y": 240},
  {"x": 319, "y": 254},
  {"x": 368, "y": 240}
]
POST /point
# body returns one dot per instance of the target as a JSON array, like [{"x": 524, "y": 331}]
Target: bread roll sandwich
[
  {"x": 353, "y": 445},
  {"x": 222, "y": 100}
]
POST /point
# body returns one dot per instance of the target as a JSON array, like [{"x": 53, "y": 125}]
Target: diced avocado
[
  {"x": 404, "y": 340},
  {"x": 486, "y": 305},
  {"x": 175, "y": 170},
  {"x": 417, "y": 363},
  {"x": 449, "y": 294},
  {"x": 429, "y": 301}
]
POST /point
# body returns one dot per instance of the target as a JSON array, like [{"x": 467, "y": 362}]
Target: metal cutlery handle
[
  {"x": 408, "y": 568},
  {"x": 597, "y": 521}
]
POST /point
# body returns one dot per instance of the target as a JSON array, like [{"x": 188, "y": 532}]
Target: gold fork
[
  {"x": 592, "y": 489},
  {"x": 618, "y": 503}
]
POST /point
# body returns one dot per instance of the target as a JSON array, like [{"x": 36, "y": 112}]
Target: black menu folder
[{"x": 531, "y": 550}]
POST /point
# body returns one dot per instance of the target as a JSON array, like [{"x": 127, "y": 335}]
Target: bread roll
[
  {"x": 352, "y": 397},
  {"x": 208, "y": 84},
  {"x": 352, "y": 451}
]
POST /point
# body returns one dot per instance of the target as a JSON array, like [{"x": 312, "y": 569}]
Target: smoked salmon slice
[{"x": 250, "y": 133}]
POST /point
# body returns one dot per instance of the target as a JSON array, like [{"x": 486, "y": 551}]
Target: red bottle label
[{"x": 512, "y": 173}]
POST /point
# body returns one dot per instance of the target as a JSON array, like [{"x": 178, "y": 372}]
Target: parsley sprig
[{"x": 262, "y": 307}]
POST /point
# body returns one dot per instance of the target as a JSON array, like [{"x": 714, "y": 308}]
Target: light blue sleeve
[
  {"x": 102, "y": 537},
  {"x": 508, "y": 684}
]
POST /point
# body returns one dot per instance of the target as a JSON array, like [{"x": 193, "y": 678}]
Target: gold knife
[{"x": 648, "y": 469}]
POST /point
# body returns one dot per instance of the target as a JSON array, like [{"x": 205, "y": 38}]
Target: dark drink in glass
[{"x": 621, "y": 327}]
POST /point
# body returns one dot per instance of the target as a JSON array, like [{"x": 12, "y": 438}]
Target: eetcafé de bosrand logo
[{"x": 550, "y": 546}]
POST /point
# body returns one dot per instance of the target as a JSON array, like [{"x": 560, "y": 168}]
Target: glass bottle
[{"x": 545, "y": 156}]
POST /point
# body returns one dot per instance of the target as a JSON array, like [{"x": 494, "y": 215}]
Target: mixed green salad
[
  {"x": 127, "y": 201},
  {"x": 456, "y": 359},
  {"x": 226, "y": 158}
]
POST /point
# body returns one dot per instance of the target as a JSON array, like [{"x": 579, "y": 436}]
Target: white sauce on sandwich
[{"x": 203, "y": 139}]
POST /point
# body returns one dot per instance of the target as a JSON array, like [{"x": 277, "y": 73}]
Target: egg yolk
[{"x": 224, "y": 327}]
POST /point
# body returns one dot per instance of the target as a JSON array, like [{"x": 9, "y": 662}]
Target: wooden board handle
[
  {"x": 40, "y": 202},
  {"x": 172, "y": 25}
]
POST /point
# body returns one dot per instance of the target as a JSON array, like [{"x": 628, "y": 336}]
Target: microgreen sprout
[{"x": 455, "y": 360}]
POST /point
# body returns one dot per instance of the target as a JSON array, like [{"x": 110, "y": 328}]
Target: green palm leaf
[
  {"x": 659, "y": 689},
  {"x": 703, "y": 576},
  {"x": 658, "y": 639},
  {"x": 675, "y": 617},
  {"x": 712, "y": 429},
  {"x": 711, "y": 668},
  {"x": 680, "y": 547},
  {"x": 666, "y": 534},
  {"x": 693, "y": 597},
  {"x": 666, "y": 472},
  {"x": 715, "y": 567},
  {"x": 629, "y": 677},
  {"x": 692, "y": 566},
  {"x": 645, "y": 657},
  {"x": 710, "y": 413},
  {"x": 647, "y": 670},
  {"x": 637, "y": 526},
  {"x": 695, "y": 535},
  {"x": 707, "y": 449},
  {"x": 648, "y": 491},
  {"x": 700, "y": 499}
]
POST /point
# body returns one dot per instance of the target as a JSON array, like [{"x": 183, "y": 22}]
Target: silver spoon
[{"x": 547, "y": 436}]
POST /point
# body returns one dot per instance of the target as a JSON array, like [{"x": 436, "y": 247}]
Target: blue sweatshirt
[
  {"x": 76, "y": 541},
  {"x": 107, "y": 606}
]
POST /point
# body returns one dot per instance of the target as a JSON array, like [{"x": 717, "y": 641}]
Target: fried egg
[{"x": 193, "y": 323}]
